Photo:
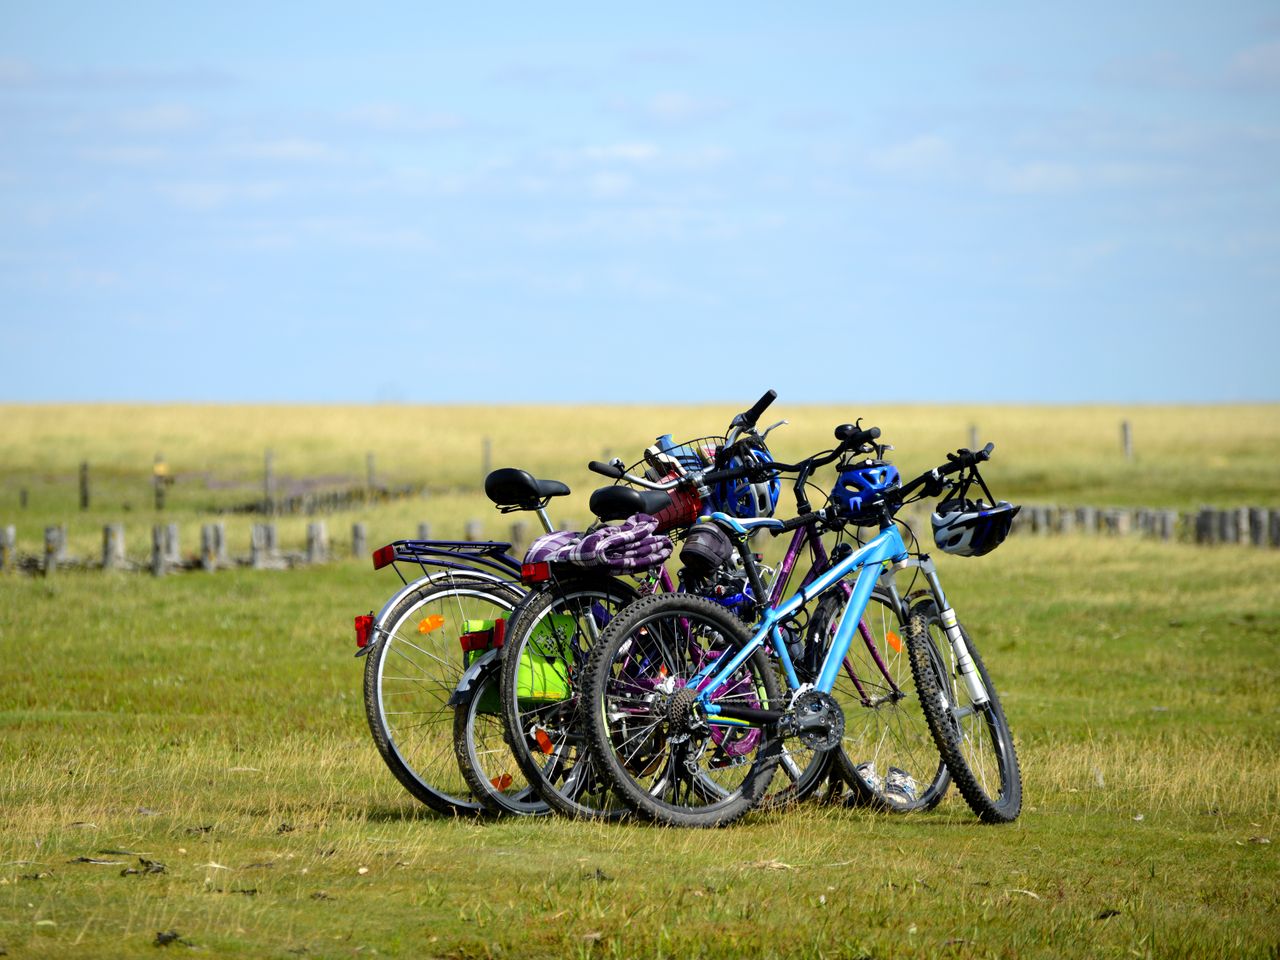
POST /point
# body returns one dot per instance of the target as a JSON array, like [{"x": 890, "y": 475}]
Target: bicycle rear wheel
[
  {"x": 410, "y": 673},
  {"x": 974, "y": 739},
  {"x": 664, "y": 759},
  {"x": 484, "y": 758},
  {"x": 549, "y": 639}
]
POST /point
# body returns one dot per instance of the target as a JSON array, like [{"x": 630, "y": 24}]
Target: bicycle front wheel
[
  {"x": 973, "y": 738},
  {"x": 887, "y": 754},
  {"x": 411, "y": 672},
  {"x": 665, "y": 759}
]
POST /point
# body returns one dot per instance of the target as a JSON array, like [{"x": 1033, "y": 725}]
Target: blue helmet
[
  {"x": 858, "y": 484},
  {"x": 742, "y": 498}
]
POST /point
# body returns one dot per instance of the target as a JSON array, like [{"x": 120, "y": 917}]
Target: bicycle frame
[{"x": 886, "y": 547}]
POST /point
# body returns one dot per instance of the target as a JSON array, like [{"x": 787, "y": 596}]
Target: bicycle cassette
[{"x": 816, "y": 718}]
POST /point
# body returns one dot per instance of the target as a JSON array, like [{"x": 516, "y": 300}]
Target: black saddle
[
  {"x": 618, "y": 503},
  {"x": 517, "y": 489}
]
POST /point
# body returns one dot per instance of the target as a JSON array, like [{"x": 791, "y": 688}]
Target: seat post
[{"x": 546, "y": 521}]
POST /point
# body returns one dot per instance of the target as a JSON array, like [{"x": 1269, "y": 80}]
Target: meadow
[{"x": 185, "y": 762}]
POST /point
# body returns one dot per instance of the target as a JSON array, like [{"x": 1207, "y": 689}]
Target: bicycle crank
[{"x": 816, "y": 718}]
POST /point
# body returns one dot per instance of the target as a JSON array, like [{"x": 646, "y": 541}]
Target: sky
[{"x": 573, "y": 203}]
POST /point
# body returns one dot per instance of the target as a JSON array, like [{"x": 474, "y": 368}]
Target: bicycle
[
  {"x": 687, "y": 716},
  {"x": 552, "y": 631},
  {"x": 432, "y": 652}
]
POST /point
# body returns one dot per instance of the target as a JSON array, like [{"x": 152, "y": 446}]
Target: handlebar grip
[
  {"x": 801, "y": 521},
  {"x": 609, "y": 470},
  {"x": 751, "y": 416},
  {"x": 853, "y": 437}
]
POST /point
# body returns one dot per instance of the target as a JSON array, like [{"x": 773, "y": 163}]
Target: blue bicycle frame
[{"x": 885, "y": 548}]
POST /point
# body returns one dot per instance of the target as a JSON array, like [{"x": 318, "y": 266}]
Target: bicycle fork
[{"x": 964, "y": 662}]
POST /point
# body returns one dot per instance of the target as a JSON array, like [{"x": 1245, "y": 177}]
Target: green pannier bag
[{"x": 544, "y": 667}]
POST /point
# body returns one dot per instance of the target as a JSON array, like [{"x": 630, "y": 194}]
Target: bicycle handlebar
[
  {"x": 960, "y": 460},
  {"x": 752, "y": 416},
  {"x": 610, "y": 470}
]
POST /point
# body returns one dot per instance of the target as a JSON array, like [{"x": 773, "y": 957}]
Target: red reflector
[
  {"x": 535, "y": 572},
  {"x": 484, "y": 639},
  {"x": 383, "y": 556},
  {"x": 364, "y": 627}
]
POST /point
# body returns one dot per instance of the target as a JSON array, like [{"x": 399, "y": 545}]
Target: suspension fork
[{"x": 964, "y": 662}]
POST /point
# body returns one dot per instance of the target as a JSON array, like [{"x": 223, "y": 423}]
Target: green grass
[{"x": 213, "y": 723}]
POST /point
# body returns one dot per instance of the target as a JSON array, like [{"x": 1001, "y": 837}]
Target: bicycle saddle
[
  {"x": 618, "y": 503},
  {"x": 512, "y": 487}
]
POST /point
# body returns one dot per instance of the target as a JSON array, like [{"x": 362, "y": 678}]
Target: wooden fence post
[
  {"x": 53, "y": 549},
  {"x": 1067, "y": 520},
  {"x": 159, "y": 555},
  {"x": 84, "y": 485},
  {"x": 172, "y": 548},
  {"x": 160, "y": 479},
  {"x": 113, "y": 546},
  {"x": 474, "y": 531},
  {"x": 268, "y": 482},
  {"x": 519, "y": 535},
  {"x": 1273, "y": 527},
  {"x": 317, "y": 542},
  {"x": 973, "y": 436},
  {"x": 22, "y": 498},
  {"x": 260, "y": 546},
  {"x": 424, "y": 530},
  {"x": 8, "y": 547},
  {"x": 486, "y": 459},
  {"x": 359, "y": 540},
  {"x": 1126, "y": 439},
  {"x": 213, "y": 545}
]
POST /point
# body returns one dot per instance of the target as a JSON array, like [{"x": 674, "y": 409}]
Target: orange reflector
[
  {"x": 433, "y": 622},
  {"x": 895, "y": 641},
  {"x": 544, "y": 741},
  {"x": 501, "y": 783}
]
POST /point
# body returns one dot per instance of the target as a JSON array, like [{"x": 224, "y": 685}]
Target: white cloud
[
  {"x": 606, "y": 185},
  {"x": 161, "y": 118},
  {"x": 626, "y": 152},
  {"x": 394, "y": 118},
  {"x": 1257, "y": 66},
  {"x": 673, "y": 109},
  {"x": 918, "y": 156},
  {"x": 214, "y": 195},
  {"x": 1040, "y": 177},
  {"x": 287, "y": 149}
]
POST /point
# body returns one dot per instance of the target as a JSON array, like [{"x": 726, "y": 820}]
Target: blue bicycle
[{"x": 689, "y": 720}]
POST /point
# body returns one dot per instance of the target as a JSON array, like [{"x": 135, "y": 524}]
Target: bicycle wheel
[
  {"x": 887, "y": 754},
  {"x": 974, "y": 739},
  {"x": 549, "y": 639},
  {"x": 484, "y": 759},
  {"x": 661, "y": 756},
  {"x": 411, "y": 672}
]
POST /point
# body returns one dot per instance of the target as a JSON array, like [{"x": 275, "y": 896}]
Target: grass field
[{"x": 213, "y": 724}]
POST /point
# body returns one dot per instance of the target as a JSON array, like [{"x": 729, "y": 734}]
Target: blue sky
[{"x": 298, "y": 203}]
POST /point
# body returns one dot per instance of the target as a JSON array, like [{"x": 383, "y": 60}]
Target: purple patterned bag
[{"x": 632, "y": 545}]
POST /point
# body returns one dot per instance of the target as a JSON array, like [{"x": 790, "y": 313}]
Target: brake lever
[{"x": 780, "y": 423}]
